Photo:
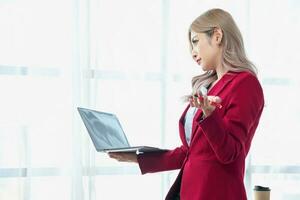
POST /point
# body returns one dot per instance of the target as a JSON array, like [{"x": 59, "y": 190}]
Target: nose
[{"x": 194, "y": 55}]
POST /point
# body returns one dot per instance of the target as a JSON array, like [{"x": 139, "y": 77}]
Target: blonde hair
[{"x": 233, "y": 56}]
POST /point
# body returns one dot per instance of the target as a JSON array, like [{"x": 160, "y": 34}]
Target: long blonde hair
[{"x": 233, "y": 56}]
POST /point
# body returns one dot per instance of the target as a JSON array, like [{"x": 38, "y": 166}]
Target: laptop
[{"x": 107, "y": 134}]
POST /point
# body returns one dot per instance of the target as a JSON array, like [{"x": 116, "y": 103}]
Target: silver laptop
[{"x": 107, "y": 134}]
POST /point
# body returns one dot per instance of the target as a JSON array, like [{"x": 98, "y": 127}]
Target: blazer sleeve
[
  {"x": 230, "y": 134},
  {"x": 162, "y": 161}
]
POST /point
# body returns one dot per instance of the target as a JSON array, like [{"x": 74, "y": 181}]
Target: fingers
[
  {"x": 117, "y": 156},
  {"x": 113, "y": 155},
  {"x": 192, "y": 101},
  {"x": 197, "y": 100},
  {"x": 123, "y": 157},
  {"x": 215, "y": 101},
  {"x": 205, "y": 102}
]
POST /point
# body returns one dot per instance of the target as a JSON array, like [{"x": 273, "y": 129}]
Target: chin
[{"x": 204, "y": 68}]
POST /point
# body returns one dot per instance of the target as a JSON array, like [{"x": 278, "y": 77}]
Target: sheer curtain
[
  {"x": 36, "y": 99},
  {"x": 130, "y": 58},
  {"x": 274, "y": 160}
]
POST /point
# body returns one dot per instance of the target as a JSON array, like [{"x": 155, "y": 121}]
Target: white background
[{"x": 130, "y": 58}]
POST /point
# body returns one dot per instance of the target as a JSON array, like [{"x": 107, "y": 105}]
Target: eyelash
[{"x": 194, "y": 41}]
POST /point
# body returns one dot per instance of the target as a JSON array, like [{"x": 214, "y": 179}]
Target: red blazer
[{"x": 212, "y": 167}]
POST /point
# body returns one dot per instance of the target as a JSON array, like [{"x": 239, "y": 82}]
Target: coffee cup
[{"x": 261, "y": 193}]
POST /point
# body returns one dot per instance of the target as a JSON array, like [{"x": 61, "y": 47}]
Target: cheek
[
  {"x": 197, "y": 49},
  {"x": 207, "y": 57},
  {"x": 203, "y": 49}
]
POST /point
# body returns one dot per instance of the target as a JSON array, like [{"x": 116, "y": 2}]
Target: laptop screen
[{"x": 104, "y": 128}]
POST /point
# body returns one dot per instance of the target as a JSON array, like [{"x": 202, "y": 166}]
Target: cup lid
[{"x": 261, "y": 188}]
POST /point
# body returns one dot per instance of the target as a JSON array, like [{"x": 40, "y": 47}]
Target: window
[
  {"x": 135, "y": 62},
  {"x": 273, "y": 157}
]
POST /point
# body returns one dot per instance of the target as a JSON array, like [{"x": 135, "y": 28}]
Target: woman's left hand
[
  {"x": 206, "y": 103},
  {"x": 124, "y": 157}
]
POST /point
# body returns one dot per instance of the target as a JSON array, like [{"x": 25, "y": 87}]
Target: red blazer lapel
[
  {"x": 222, "y": 83},
  {"x": 214, "y": 91}
]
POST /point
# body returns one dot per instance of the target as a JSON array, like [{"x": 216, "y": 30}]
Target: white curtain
[{"x": 130, "y": 58}]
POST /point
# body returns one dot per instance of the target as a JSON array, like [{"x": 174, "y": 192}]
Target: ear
[{"x": 218, "y": 35}]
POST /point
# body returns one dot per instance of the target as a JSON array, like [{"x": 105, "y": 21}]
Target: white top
[{"x": 188, "y": 123}]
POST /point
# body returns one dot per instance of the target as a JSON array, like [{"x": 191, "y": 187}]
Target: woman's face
[{"x": 205, "y": 51}]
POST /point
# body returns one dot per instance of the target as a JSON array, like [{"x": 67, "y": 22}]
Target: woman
[{"x": 216, "y": 129}]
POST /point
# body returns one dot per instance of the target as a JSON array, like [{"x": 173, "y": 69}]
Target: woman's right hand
[
  {"x": 206, "y": 103},
  {"x": 124, "y": 157}
]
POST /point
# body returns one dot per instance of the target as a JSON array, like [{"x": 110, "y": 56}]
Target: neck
[
  {"x": 220, "y": 68},
  {"x": 220, "y": 72}
]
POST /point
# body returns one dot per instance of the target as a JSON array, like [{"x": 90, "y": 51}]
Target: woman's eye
[{"x": 194, "y": 41}]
